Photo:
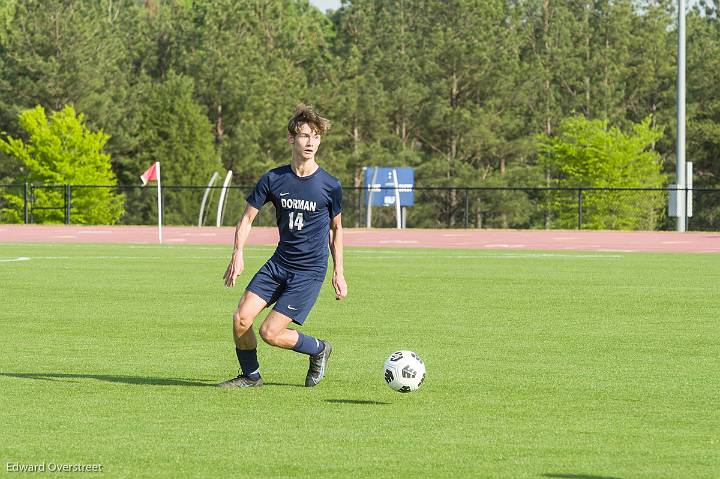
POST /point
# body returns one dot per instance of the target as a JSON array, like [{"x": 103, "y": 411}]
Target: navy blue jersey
[{"x": 304, "y": 207}]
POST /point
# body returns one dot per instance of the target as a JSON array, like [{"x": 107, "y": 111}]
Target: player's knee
[
  {"x": 268, "y": 335},
  {"x": 242, "y": 321}
]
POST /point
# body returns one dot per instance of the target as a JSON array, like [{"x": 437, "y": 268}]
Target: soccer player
[{"x": 307, "y": 203}]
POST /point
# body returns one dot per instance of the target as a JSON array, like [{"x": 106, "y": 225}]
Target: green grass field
[{"x": 560, "y": 365}]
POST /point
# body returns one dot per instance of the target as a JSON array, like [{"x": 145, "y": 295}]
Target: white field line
[
  {"x": 398, "y": 241},
  {"x": 363, "y": 255},
  {"x": 151, "y": 258},
  {"x": 379, "y": 253},
  {"x": 84, "y": 246},
  {"x": 226, "y": 250},
  {"x": 494, "y": 256},
  {"x": 610, "y": 250}
]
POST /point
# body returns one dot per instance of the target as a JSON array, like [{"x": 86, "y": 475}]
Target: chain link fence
[{"x": 437, "y": 207}]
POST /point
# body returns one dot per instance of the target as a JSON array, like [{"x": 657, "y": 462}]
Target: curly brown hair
[{"x": 304, "y": 114}]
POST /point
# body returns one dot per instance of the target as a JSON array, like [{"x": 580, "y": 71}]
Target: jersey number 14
[{"x": 298, "y": 223}]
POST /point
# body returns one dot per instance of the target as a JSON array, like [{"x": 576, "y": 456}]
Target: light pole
[{"x": 680, "y": 166}]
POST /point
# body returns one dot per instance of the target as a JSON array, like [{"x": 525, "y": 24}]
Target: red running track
[{"x": 623, "y": 241}]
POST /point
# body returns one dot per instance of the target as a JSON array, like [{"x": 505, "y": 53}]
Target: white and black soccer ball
[{"x": 404, "y": 371}]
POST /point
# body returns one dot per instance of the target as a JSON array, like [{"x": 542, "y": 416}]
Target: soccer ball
[{"x": 404, "y": 371}]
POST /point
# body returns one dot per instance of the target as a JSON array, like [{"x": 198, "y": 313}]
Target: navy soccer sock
[
  {"x": 308, "y": 345},
  {"x": 248, "y": 362}
]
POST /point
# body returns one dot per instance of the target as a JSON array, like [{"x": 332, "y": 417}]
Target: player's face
[{"x": 305, "y": 143}]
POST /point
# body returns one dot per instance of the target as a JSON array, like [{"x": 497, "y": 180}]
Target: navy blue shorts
[{"x": 294, "y": 294}]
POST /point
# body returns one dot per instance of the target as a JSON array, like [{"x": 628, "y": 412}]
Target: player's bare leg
[
  {"x": 244, "y": 316},
  {"x": 248, "y": 308},
  {"x": 274, "y": 331}
]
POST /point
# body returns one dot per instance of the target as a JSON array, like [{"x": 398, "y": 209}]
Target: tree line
[{"x": 470, "y": 93}]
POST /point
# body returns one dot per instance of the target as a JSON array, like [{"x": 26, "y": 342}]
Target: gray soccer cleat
[
  {"x": 318, "y": 363},
  {"x": 241, "y": 381}
]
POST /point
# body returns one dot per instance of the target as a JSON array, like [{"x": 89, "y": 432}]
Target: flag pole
[{"x": 159, "y": 195}]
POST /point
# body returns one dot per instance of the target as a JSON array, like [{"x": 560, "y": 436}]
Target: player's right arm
[{"x": 242, "y": 231}]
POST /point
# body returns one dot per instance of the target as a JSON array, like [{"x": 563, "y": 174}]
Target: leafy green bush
[
  {"x": 58, "y": 151},
  {"x": 590, "y": 154}
]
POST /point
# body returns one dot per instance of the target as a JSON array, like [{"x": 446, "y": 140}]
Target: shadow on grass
[
  {"x": 284, "y": 384},
  {"x": 111, "y": 378},
  {"x": 354, "y": 401},
  {"x": 577, "y": 476}
]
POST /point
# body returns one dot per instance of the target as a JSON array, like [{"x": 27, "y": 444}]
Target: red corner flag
[
  {"x": 150, "y": 175},
  {"x": 153, "y": 173}
]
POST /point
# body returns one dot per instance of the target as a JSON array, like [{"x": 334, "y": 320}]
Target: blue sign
[{"x": 385, "y": 185}]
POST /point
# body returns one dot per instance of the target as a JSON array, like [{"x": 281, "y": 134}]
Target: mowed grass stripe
[{"x": 539, "y": 366}]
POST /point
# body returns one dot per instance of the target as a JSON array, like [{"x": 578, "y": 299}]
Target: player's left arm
[{"x": 336, "y": 250}]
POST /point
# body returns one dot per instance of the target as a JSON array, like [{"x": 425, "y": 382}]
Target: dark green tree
[
  {"x": 176, "y": 133},
  {"x": 703, "y": 97},
  {"x": 64, "y": 52}
]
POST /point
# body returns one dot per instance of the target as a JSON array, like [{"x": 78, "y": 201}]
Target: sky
[{"x": 325, "y": 4}]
